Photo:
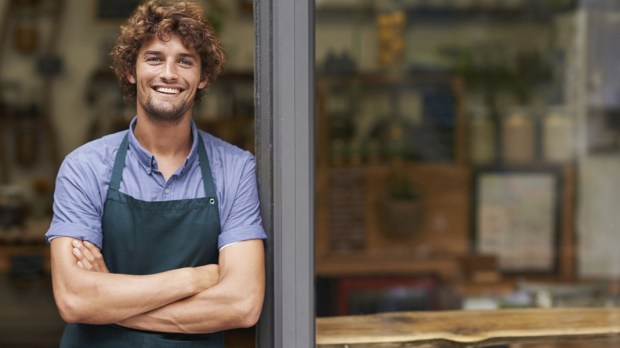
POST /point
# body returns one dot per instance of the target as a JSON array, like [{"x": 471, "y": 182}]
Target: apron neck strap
[
  {"x": 119, "y": 164},
  {"x": 205, "y": 167}
]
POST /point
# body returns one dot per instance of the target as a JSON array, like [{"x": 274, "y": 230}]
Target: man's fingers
[
  {"x": 97, "y": 256},
  {"x": 82, "y": 262},
  {"x": 85, "y": 256},
  {"x": 209, "y": 275}
]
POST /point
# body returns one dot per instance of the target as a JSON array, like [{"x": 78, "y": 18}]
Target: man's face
[{"x": 167, "y": 76}]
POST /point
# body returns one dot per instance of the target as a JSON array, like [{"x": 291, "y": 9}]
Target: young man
[{"x": 156, "y": 239}]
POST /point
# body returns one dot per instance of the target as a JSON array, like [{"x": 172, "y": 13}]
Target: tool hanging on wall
[
  {"x": 32, "y": 128},
  {"x": 50, "y": 55},
  {"x": 4, "y": 165},
  {"x": 27, "y": 136},
  {"x": 25, "y": 31}
]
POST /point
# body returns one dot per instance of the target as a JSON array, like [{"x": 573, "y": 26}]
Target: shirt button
[{"x": 166, "y": 191}]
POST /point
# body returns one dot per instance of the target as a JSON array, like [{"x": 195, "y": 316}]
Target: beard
[{"x": 172, "y": 113}]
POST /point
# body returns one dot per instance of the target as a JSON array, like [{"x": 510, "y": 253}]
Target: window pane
[{"x": 466, "y": 155}]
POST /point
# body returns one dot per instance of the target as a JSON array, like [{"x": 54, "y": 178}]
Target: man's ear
[
  {"x": 203, "y": 83},
  {"x": 131, "y": 78}
]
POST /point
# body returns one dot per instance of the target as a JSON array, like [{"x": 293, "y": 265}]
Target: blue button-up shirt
[{"x": 84, "y": 176}]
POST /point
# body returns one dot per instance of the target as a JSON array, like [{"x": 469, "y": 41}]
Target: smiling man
[{"x": 157, "y": 239}]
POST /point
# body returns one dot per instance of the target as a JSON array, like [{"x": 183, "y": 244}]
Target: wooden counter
[{"x": 467, "y": 328}]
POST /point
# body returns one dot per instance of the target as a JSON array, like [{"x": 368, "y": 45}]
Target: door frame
[{"x": 285, "y": 108}]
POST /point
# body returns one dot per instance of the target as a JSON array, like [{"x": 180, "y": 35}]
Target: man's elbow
[
  {"x": 74, "y": 309},
  {"x": 249, "y": 319},
  {"x": 249, "y": 312},
  {"x": 70, "y": 309}
]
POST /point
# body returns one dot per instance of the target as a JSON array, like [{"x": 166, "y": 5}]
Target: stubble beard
[{"x": 173, "y": 114}]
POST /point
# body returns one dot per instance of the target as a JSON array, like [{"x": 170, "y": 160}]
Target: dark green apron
[{"x": 142, "y": 237}]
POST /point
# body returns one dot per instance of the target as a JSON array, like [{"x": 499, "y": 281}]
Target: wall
[{"x": 84, "y": 46}]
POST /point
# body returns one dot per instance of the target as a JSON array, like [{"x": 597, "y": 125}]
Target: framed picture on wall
[{"x": 517, "y": 217}]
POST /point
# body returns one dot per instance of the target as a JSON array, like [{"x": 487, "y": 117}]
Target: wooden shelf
[
  {"x": 523, "y": 12},
  {"x": 441, "y": 235},
  {"x": 366, "y": 264}
]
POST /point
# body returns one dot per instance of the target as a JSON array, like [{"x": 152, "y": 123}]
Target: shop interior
[{"x": 466, "y": 150}]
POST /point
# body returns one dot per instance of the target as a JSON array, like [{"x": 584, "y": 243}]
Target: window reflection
[{"x": 466, "y": 155}]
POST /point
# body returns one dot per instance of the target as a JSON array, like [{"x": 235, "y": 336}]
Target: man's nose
[{"x": 169, "y": 72}]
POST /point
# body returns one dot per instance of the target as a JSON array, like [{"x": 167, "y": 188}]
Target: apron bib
[{"x": 141, "y": 237}]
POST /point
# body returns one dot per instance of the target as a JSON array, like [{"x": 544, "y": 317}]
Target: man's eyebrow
[
  {"x": 187, "y": 55},
  {"x": 151, "y": 52}
]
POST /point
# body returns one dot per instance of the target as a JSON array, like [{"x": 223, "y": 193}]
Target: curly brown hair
[{"x": 165, "y": 18}]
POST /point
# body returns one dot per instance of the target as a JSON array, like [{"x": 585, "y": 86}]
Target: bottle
[
  {"x": 557, "y": 136},
  {"x": 518, "y": 137},
  {"x": 25, "y": 34},
  {"x": 482, "y": 149}
]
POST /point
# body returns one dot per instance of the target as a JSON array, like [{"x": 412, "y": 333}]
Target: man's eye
[
  {"x": 186, "y": 61},
  {"x": 153, "y": 59}
]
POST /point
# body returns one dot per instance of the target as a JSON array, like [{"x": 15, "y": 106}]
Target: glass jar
[
  {"x": 482, "y": 149},
  {"x": 518, "y": 137},
  {"x": 557, "y": 136}
]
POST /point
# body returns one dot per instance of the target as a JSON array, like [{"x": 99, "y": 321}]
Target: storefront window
[{"x": 467, "y": 155}]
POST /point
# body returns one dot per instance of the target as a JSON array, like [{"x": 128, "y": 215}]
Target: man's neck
[{"x": 164, "y": 139}]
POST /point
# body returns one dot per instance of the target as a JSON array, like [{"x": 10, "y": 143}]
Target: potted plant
[{"x": 401, "y": 208}]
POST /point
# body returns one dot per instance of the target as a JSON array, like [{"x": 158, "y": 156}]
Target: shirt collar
[{"x": 147, "y": 159}]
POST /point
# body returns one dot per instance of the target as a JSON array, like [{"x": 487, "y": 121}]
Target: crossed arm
[{"x": 189, "y": 300}]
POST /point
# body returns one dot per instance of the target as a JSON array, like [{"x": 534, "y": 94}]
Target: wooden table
[{"x": 467, "y": 328}]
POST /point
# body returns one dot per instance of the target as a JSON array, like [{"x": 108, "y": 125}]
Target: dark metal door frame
[{"x": 284, "y": 97}]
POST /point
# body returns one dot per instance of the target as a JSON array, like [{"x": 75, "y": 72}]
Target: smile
[{"x": 167, "y": 90}]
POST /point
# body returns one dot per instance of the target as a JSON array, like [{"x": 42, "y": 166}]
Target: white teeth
[{"x": 167, "y": 90}]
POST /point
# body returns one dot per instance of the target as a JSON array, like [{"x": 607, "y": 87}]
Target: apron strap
[
  {"x": 119, "y": 164},
  {"x": 205, "y": 168},
  {"x": 207, "y": 176}
]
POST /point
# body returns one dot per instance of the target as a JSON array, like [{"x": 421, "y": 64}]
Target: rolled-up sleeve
[
  {"x": 242, "y": 220},
  {"x": 77, "y": 203}
]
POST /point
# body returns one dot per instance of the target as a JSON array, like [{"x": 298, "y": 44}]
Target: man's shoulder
[
  {"x": 221, "y": 150},
  {"x": 98, "y": 151}
]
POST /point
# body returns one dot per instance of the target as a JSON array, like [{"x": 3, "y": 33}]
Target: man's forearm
[
  {"x": 101, "y": 298},
  {"x": 218, "y": 308},
  {"x": 234, "y": 302}
]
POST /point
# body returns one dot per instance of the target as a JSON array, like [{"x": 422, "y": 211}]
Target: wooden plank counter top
[{"x": 466, "y": 328}]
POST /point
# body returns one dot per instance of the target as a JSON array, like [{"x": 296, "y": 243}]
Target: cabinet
[
  {"x": 377, "y": 129},
  {"x": 358, "y": 228},
  {"x": 358, "y": 116}
]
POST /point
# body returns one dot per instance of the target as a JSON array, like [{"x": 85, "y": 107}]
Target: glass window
[{"x": 467, "y": 155}]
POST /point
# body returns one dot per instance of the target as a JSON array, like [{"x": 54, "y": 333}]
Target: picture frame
[{"x": 516, "y": 217}]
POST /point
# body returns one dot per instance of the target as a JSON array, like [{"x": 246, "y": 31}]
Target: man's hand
[
  {"x": 88, "y": 256},
  {"x": 209, "y": 275}
]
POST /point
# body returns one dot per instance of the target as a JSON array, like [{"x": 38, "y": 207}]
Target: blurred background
[
  {"x": 467, "y": 151},
  {"x": 58, "y": 92}
]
